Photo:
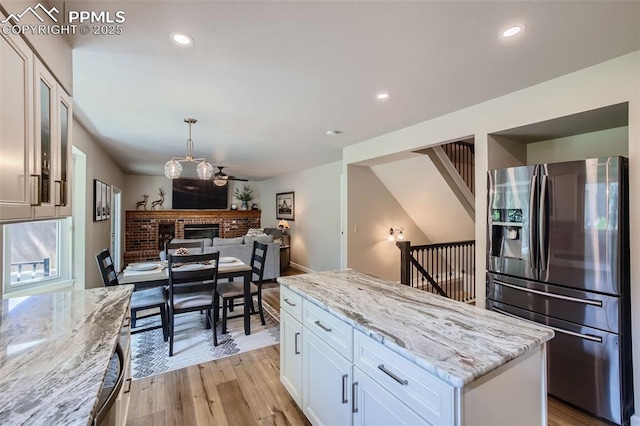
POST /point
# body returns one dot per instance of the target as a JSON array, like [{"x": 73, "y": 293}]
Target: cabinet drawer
[
  {"x": 335, "y": 332},
  {"x": 429, "y": 396},
  {"x": 291, "y": 303}
]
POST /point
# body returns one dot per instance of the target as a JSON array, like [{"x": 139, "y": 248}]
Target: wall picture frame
[
  {"x": 285, "y": 205},
  {"x": 97, "y": 200},
  {"x": 107, "y": 202}
]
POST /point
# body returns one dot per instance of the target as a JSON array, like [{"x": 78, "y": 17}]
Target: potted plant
[{"x": 245, "y": 195}]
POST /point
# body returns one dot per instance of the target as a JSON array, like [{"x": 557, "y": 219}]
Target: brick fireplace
[{"x": 147, "y": 230}]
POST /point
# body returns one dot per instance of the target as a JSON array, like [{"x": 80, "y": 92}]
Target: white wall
[
  {"x": 427, "y": 198},
  {"x": 315, "y": 232},
  {"x": 102, "y": 167},
  {"x": 604, "y": 143},
  {"x": 137, "y": 185},
  {"x": 605, "y": 84},
  {"x": 373, "y": 210}
]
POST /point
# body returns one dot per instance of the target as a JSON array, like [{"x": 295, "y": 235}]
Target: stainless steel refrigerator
[{"x": 558, "y": 255}]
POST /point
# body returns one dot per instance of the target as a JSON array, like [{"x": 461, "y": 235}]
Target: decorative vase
[{"x": 244, "y": 206}]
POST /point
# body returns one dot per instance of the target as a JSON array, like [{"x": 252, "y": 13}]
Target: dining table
[{"x": 159, "y": 276}]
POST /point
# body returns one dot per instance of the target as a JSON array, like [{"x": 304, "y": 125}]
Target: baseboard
[{"x": 304, "y": 269}]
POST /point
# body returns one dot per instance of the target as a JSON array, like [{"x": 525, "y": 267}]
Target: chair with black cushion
[
  {"x": 196, "y": 244},
  {"x": 232, "y": 291},
  {"x": 192, "y": 285},
  {"x": 141, "y": 300}
]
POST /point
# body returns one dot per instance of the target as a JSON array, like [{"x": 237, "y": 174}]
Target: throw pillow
[
  {"x": 252, "y": 232},
  {"x": 227, "y": 241}
]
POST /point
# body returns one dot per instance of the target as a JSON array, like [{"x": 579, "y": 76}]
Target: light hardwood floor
[{"x": 245, "y": 389}]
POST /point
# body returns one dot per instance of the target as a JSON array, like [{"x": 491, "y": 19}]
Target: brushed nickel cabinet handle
[
  {"x": 319, "y": 324},
  {"x": 36, "y": 190},
  {"x": 289, "y": 303},
  {"x": 393, "y": 376},
  {"x": 58, "y": 201},
  {"x": 128, "y": 386},
  {"x": 344, "y": 388},
  {"x": 296, "y": 350},
  {"x": 354, "y": 393}
]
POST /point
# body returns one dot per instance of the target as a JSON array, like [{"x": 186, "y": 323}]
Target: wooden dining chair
[
  {"x": 192, "y": 289},
  {"x": 141, "y": 300},
  {"x": 232, "y": 291}
]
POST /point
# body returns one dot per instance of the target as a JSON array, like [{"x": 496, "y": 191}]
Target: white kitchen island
[{"x": 360, "y": 350}]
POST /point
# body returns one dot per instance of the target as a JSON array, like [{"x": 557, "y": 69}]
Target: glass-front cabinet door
[
  {"x": 46, "y": 155},
  {"x": 63, "y": 182}
]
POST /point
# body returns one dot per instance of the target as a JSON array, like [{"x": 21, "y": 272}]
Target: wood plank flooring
[{"x": 245, "y": 389}]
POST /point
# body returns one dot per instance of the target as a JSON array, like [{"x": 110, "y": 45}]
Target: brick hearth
[{"x": 142, "y": 236}]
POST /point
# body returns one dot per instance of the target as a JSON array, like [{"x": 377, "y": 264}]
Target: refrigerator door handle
[
  {"x": 559, "y": 330},
  {"x": 542, "y": 223},
  {"x": 532, "y": 210},
  {"x": 597, "y": 303}
]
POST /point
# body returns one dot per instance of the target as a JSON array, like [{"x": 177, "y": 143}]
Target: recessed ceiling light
[
  {"x": 514, "y": 30},
  {"x": 382, "y": 95},
  {"x": 333, "y": 132},
  {"x": 181, "y": 39}
]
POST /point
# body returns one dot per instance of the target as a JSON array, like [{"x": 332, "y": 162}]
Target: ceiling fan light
[
  {"x": 219, "y": 182},
  {"x": 172, "y": 169},
  {"x": 204, "y": 170}
]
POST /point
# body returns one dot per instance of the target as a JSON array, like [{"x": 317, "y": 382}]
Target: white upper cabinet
[
  {"x": 35, "y": 137},
  {"x": 16, "y": 129}
]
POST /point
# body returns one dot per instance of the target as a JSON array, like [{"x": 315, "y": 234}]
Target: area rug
[{"x": 193, "y": 343}]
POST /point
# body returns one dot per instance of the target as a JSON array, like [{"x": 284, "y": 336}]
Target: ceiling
[{"x": 267, "y": 79}]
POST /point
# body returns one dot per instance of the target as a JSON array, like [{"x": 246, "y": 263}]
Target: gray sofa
[{"x": 241, "y": 248}]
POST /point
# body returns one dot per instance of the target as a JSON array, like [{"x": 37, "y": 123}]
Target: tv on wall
[{"x": 198, "y": 194}]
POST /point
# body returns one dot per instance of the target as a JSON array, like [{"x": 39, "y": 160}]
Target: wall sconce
[{"x": 396, "y": 234}]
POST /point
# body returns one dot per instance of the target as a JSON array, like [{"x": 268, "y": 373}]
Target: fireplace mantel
[
  {"x": 185, "y": 214},
  {"x": 147, "y": 230}
]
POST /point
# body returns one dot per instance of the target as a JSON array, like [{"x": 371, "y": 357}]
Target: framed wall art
[
  {"x": 97, "y": 200},
  {"x": 107, "y": 202},
  {"x": 285, "y": 205},
  {"x": 101, "y": 201}
]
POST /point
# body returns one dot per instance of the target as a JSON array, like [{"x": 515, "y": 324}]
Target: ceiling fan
[{"x": 220, "y": 178}]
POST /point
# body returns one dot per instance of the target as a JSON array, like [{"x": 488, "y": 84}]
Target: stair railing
[
  {"x": 446, "y": 269},
  {"x": 462, "y": 156}
]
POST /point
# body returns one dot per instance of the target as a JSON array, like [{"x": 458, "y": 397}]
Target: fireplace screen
[{"x": 202, "y": 231}]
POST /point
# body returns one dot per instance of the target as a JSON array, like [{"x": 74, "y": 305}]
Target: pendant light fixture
[{"x": 173, "y": 168}]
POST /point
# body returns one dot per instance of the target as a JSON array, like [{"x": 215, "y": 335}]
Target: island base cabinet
[
  {"x": 514, "y": 394},
  {"x": 291, "y": 356},
  {"x": 373, "y": 405},
  {"x": 326, "y": 381}
]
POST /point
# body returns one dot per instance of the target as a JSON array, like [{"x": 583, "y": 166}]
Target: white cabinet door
[
  {"x": 16, "y": 128},
  {"x": 291, "y": 356},
  {"x": 374, "y": 405},
  {"x": 326, "y": 381}
]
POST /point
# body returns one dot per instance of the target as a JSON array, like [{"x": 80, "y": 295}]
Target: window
[{"x": 36, "y": 254}]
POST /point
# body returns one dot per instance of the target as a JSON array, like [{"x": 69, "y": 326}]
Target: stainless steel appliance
[{"x": 558, "y": 255}]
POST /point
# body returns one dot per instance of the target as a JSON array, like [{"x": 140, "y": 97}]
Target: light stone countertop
[
  {"x": 54, "y": 352},
  {"x": 453, "y": 340}
]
